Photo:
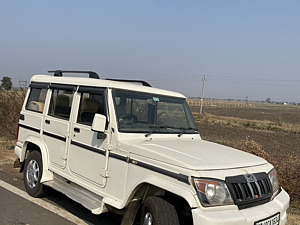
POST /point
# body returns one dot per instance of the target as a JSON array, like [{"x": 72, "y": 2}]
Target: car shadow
[{"x": 80, "y": 211}]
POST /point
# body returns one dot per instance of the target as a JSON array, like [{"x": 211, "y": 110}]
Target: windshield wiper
[
  {"x": 157, "y": 128},
  {"x": 184, "y": 129}
]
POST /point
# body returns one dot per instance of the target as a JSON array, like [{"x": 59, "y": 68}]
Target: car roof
[{"x": 103, "y": 83}]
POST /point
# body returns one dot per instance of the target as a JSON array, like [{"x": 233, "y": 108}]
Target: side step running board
[{"x": 79, "y": 194}]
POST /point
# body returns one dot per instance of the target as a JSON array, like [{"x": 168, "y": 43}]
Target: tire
[
  {"x": 32, "y": 174},
  {"x": 159, "y": 212}
]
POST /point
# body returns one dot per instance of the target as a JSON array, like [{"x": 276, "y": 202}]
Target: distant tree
[
  {"x": 268, "y": 100},
  {"x": 6, "y": 83}
]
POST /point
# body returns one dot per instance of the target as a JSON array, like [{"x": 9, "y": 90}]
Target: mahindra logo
[{"x": 250, "y": 178}]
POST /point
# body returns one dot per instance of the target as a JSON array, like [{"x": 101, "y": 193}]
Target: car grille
[{"x": 250, "y": 189}]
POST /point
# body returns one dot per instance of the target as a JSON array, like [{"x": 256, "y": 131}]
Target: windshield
[{"x": 150, "y": 113}]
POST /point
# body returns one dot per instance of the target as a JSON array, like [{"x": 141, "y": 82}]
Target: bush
[{"x": 10, "y": 107}]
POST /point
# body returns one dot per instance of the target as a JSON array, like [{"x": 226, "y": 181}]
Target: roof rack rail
[
  {"x": 59, "y": 73},
  {"x": 144, "y": 83}
]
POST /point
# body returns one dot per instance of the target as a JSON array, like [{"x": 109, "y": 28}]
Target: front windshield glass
[{"x": 143, "y": 112}]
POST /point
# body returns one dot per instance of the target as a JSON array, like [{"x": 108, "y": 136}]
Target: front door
[{"x": 87, "y": 155}]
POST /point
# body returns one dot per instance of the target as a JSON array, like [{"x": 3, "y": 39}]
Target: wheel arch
[
  {"x": 183, "y": 200},
  {"x": 158, "y": 187},
  {"x": 35, "y": 144}
]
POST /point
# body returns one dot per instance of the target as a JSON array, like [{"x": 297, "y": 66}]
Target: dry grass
[
  {"x": 275, "y": 125},
  {"x": 286, "y": 175},
  {"x": 10, "y": 107},
  {"x": 7, "y": 155},
  {"x": 288, "y": 169},
  {"x": 294, "y": 219}
]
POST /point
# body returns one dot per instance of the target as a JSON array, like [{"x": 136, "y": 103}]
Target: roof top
[{"x": 103, "y": 83}]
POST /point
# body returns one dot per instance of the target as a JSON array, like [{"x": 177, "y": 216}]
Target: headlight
[
  {"x": 274, "y": 180},
  {"x": 212, "y": 192}
]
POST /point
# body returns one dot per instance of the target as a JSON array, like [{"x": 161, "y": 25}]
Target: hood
[{"x": 194, "y": 154}]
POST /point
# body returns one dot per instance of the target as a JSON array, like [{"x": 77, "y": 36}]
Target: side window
[
  {"x": 90, "y": 104},
  {"x": 61, "y": 103},
  {"x": 36, "y": 100}
]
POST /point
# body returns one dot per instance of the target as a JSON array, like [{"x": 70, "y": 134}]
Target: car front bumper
[{"x": 249, "y": 216}]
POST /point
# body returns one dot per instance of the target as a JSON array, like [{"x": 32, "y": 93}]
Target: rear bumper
[
  {"x": 279, "y": 204},
  {"x": 18, "y": 152}
]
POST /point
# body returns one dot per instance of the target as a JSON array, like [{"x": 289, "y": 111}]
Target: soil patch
[{"x": 281, "y": 114}]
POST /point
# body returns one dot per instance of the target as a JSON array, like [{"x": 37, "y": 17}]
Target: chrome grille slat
[
  {"x": 244, "y": 194},
  {"x": 258, "y": 189},
  {"x": 251, "y": 190}
]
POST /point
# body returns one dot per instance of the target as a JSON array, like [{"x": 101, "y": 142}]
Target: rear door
[
  {"x": 57, "y": 124},
  {"x": 87, "y": 155}
]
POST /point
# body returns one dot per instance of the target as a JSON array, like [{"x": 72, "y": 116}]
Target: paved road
[{"x": 16, "y": 207}]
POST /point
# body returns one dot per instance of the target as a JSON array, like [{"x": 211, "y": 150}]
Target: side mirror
[{"x": 99, "y": 123}]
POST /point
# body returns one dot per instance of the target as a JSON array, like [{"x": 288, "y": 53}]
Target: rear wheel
[
  {"x": 32, "y": 174},
  {"x": 159, "y": 212}
]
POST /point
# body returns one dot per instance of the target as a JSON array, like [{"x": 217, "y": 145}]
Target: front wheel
[
  {"x": 32, "y": 174},
  {"x": 159, "y": 212}
]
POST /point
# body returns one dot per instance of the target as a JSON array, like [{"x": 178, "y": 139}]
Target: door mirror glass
[{"x": 99, "y": 123}]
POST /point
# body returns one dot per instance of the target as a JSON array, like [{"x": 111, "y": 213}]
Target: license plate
[{"x": 273, "y": 220}]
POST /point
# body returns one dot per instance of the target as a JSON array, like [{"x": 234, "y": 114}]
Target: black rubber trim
[
  {"x": 39, "y": 85},
  {"x": 181, "y": 177},
  {"x": 144, "y": 83},
  {"x": 22, "y": 117},
  {"x": 120, "y": 157},
  {"x": 54, "y": 136},
  {"x": 92, "y": 90},
  {"x": 96, "y": 150},
  {"x": 30, "y": 128},
  {"x": 251, "y": 202},
  {"x": 63, "y": 87}
]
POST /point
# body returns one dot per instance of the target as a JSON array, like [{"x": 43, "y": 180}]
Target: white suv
[{"x": 113, "y": 145}]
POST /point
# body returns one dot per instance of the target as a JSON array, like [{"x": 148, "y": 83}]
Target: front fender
[{"x": 185, "y": 191}]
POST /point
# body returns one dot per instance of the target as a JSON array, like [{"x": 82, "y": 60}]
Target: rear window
[
  {"x": 36, "y": 100},
  {"x": 61, "y": 103}
]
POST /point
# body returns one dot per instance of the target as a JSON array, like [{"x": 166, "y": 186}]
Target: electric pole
[{"x": 201, "y": 101}]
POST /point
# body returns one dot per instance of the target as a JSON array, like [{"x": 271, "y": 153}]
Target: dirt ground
[
  {"x": 286, "y": 114},
  {"x": 7, "y": 158},
  {"x": 283, "y": 149}
]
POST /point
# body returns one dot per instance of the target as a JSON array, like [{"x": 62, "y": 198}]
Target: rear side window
[
  {"x": 61, "y": 103},
  {"x": 90, "y": 104},
  {"x": 36, "y": 100}
]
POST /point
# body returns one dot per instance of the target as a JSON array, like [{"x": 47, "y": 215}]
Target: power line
[
  {"x": 255, "y": 78},
  {"x": 227, "y": 77},
  {"x": 261, "y": 84},
  {"x": 227, "y": 80}
]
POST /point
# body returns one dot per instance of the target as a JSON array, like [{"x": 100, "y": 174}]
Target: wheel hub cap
[
  {"x": 148, "y": 220},
  {"x": 32, "y": 174}
]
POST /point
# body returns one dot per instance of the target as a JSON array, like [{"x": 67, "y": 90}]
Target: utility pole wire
[{"x": 201, "y": 101}]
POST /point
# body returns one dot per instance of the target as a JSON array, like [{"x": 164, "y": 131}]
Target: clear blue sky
[{"x": 245, "y": 48}]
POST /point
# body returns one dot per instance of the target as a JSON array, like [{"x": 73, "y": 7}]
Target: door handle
[
  {"x": 76, "y": 130},
  {"x": 47, "y": 121}
]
